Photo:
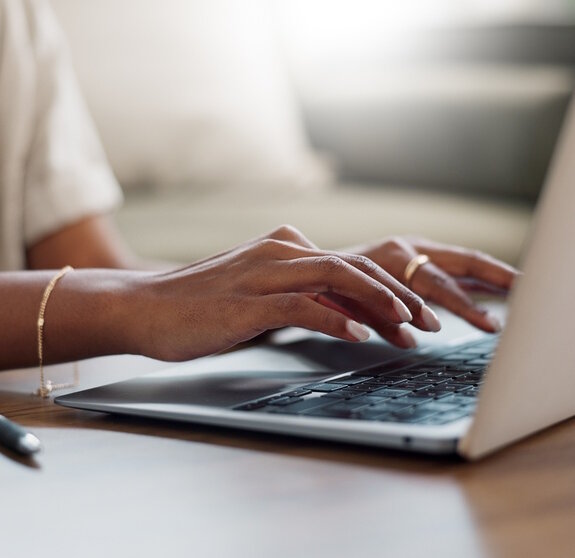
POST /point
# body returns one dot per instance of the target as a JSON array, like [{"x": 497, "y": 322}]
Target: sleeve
[{"x": 67, "y": 175}]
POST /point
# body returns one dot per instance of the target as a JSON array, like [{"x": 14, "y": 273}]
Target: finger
[
  {"x": 423, "y": 317},
  {"x": 480, "y": 287},
  {"x": 462, "y": 262},
  {"x": 397, "y": 255},
  {"x": 330, "y": 274},
  {"x": 409, "y": 307},
  {"x": 397, "y": 334},
  {"x": 329, "y": 302},
  {"x": 436, "y": 285},
  {"x": 417, "y": 311},
  {"x": 300, "y": 310},
  {"x": 303, "y": 269}
]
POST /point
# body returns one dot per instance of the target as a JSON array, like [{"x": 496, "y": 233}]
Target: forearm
[
  {"x": 93, "y": 242},
  {"x": 89, "y": 313},
  {"x": 275, "y": 281}
]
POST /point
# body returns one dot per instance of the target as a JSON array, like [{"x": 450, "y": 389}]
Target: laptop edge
[{"x": 518, "y": 398}]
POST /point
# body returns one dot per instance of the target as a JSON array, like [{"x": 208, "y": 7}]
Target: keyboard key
[
  {"x": 408, "y": 385},
  {"x": 408, "y": 374},
  {"x": 370, "y": 413},
  {"x": 440, "y": 391},
  {"x": 458, "y": 399},
  {"x": 439, "y": 406},
  {"x": 423, "y": 394},
  {"x": 457, "y": 387},
  {"x": 370, "y": 399},
  {"x": 428, "y": 382},
  {"x": 299, "y": 407},
  {"x": 454, "y": 357},
  {"x": 393, "y": 405},
  {"x": 385, "y": 381},
  {"x": 342, "y": 394},
  {"x": 472, "y": 393},
  {"x": 388, "y": 367},
  {"x": 346, "y": 409},
  {"x": 409, "y": 400},
  {"x": 427, "y": 369},
  {"x": 368, "y": 386},
  {"x": 479, "y": 362},
  {"x": 450, "y": 416},
  {"x": 412, "y": 414},
  {"x": 387, "y": 407},
  {"x": 350, "y": 380},
  {"x": 252, "y": 405},
  {"x": 284, "y": 401},
  {"x": 443, "y": 374},
  {"x": 297, "y": 392},
  {"x": 325, "y": 386},
  {"x": 474, "y": 377},
  {"x": 390, "y": 392},
  {"x": 460, "y": 369}
]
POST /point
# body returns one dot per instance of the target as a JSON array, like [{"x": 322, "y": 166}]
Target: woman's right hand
[{"x": 278, "y": 280}]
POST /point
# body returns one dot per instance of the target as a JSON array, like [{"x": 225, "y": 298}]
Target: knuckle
[
  {"x": 477, "y": 257},
  {"x": 397, "y": 246},
  {"x": 444, "y": 283},
  {"x": 414, "y": 302},
  {"x": 441, "y": 280},
  {"x": 331, "y": 263},
  {"x": 285, "y": 232},
  {"x": 382, "y": 291},
  {"x": 395, "y": 243},
  {"x": 364, "y": 263},
  {"x": 268, "y": 246}
]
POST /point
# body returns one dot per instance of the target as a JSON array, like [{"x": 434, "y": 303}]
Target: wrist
[{"x": 93, "y": 313}]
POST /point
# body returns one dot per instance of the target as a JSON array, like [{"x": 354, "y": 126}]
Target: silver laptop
[{"x": 468, "y": 397}]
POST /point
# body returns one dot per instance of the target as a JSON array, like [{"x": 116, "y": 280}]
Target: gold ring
[{"x": 413, "y": 265}]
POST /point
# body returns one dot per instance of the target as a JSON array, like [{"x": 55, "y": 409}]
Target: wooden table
[{"x": 123, "y": 487}]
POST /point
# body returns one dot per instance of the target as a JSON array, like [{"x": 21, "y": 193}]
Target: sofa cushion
[{"x": 189, "y": 92}]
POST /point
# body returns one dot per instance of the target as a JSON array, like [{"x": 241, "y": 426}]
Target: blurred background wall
[{"x": 349, "y": 119}]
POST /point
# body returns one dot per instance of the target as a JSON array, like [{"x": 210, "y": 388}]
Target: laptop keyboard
[{"x": 417, "y": 389}]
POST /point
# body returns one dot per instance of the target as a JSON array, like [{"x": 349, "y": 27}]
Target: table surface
[{"x": 120, "y": 486}]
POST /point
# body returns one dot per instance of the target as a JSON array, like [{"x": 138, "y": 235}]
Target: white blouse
[{"x": 53, "y": 171}]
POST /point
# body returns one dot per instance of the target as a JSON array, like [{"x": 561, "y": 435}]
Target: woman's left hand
[{"x": 448, "y": 277}]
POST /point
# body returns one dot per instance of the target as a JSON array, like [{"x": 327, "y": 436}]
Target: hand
[
  {"x": 451, "y": 273},
  {"x": 279, "y": 280}
]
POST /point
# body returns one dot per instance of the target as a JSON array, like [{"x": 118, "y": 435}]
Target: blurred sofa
[{"x": 216, "y": 139}]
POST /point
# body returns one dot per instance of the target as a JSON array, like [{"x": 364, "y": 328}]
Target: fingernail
[
  {"x": 408, "y": 339},
  {"x": 494, "y": 322},
  {"x": 430, "y": 319},
  {"x": 402, "y": 310},
  {"x": 360, "y": 332}
]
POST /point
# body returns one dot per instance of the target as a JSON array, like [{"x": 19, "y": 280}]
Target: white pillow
[{"x": 189, "y": 91}]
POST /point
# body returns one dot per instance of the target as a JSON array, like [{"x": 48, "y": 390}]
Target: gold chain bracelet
[{"x": 46, "y": 387}]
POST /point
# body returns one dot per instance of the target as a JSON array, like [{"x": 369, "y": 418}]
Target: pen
[{"x": 14, "y": 437}]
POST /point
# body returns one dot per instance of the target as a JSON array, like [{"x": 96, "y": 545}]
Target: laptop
[{"x": 469, "y": 396}]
